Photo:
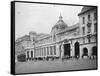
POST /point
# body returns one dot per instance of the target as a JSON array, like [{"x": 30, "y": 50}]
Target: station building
[{"x": 74, "y": 41}]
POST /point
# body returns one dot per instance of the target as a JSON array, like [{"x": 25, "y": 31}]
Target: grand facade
[{"x": 76, "y": 41}]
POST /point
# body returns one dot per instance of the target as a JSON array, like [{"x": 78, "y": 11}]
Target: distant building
[{"x": 74, "y": 41}]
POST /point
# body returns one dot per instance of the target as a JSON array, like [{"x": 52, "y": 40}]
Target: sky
[{"x": 41, "y": 18}]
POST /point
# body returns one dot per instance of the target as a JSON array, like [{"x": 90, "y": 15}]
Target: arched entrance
[
  {"x": 85, "y": 52},
  {"x": 94, "y": 51},
  {"x": 77, "y": 50},
  {"x": 67, "y": 49}
]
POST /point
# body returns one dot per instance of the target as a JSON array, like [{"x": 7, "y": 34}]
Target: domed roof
[{"x": 60, "y": 24}]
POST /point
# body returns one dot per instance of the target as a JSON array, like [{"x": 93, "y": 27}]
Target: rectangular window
[
  {"x": 89, "y": 27},
  {"x": 95, "y": 16},
  {"x": 83, "y": 29},
  {"x": 95, "y": 27},
  {"x": 89, "y": 17},
  {"x": 83, "y": 20}
]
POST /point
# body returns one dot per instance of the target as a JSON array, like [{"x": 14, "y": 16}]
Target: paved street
[{"x": 58, "y": 65}]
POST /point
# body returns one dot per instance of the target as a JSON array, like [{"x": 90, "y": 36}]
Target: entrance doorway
[
  {"x": 66, "y": 49},
  {"x": 85, "y": 52},
  {"x": 94, "y": 51},
  {"x": 77, "y": 50}
]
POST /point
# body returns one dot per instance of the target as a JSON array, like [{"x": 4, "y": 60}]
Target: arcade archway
[
  {"x": 94, "y": 51},
  {"x": 85, "y": 52},
  {"x": 77, "y": 50},
  {"x": 66, "y": 49}
]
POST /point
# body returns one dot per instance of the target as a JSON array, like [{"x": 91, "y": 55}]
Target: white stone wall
[
  {"x": 86, "y": 21},
  {"x": 69, "y": 37}
]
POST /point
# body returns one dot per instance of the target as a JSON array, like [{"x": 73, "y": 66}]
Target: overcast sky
[{"x": 41, "y": 17}]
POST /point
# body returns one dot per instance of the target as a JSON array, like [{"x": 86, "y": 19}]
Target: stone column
[
  {"x": 46, "y": 51},
  {"x": 40, "y": 52},
  {"x": 62, "y": 51},
  {"x": 29, "y": 53},
  {"x": 57, "y": 50},
  {"x": 52, "y": 51},
  {"x": 26, "y": 54},
  {"x": 43, "y": 52},
  {"x": 33, "y": 53},
  {"x": 49, "y": 51},
  {"x": 90, "y": 52},
  {"x": 72, "y": 51},
  {"x": 81, "y": 52}
]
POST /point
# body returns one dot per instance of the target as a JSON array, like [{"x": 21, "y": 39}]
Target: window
[
  {"x": 83, "y": 40},
  {"x": 95, "y": 27},
  {"x": 95, "y": 16},
  {"x": 89, "y": 27},
  {"x": 83, "y": 28},
  {"x": 89, "y": 17},
  {"x": 83, "y": 20}
]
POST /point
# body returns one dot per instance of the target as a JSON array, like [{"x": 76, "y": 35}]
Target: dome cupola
[{"x": 60, "y": 24}]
